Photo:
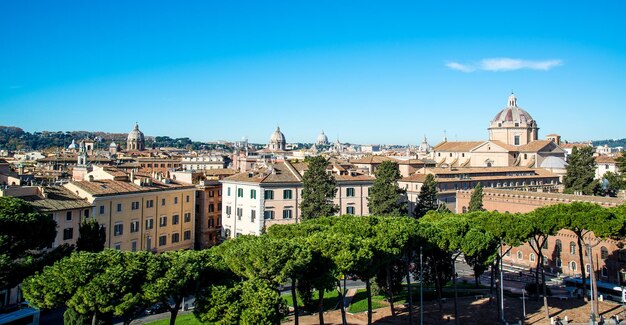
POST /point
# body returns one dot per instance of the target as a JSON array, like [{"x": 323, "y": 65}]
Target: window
[
  {"x": 187, "y": 216},
  {"x": 516, "y": 140},
  {"x": 148, "y": 243},
  {"x": 350, "y": 191},
  {"x": 268, "y": 214},
  {"x": 149, "y": 223},
  {"x": 68, "y": 233},
  {"x": 134, "y": 205},
  {"x": 228, "y": 191},
  {"x": 134, "y": 226},
  {"x": 252, "y": 215},
  {"x": 558, "y": 247},
  {"x": 239, "y": 213},
  {"x": 604, "y": 253},
  {"x": 219, "y": 192},
  {"x": 287, "y": 214},
  {"x": 253, "y": 194},
  {"x": 162, "y": 240},
  {"x": 118, "y": 246},
  {"x": 558, "y": 262},
  {"x": 532, "y": 257},
  {"x": 175, "y": 238},
  {"x": 268, "y": 195},
  {"x": 133, "y": 246},
  {"x": 118, "y": 229},
  {"x": 211, "y": 193},
  {"x": 605, "y": 272},
  {"x": 119, "y": 207},
  {"x": 219, "y": 206},
  {"x": 163, "y": 201},
  {"x": 102, "y": 209},
  {"x": 350, "y": 210},
  {"x": 187, "y": 235},
  {"x": 211, "y": 223},
  {"x": 545, "y": 244},
  {"x": 228, "y": 211},
  {"x": 572, "y": 248},
  {"x": 572, "y": 266},
  {"x": 187, "y": 198},
  {"x": 175, "y": 219},
  {"x": 211, "y": 208},
  {"x": 588, "y": 268},
  {"x": 176, "y": 200},
  {"x": 240, "y": 192},
  {"x": 68, "y": 216},
  {"x": 163, "y": 221},
  {"x": 227, "y": 233},
  {"x": 149, "y": 203},
  {"x": 520, "y": 255},
  {"x": 287, "y": 194}
]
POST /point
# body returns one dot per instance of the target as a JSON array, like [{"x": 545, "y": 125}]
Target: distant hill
[
  {"x": 610, "y": 143},
  {"x": 14, "y": 138}
]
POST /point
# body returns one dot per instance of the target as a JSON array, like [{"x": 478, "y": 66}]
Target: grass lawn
[
  {"x": 186, "y": 319},
  {"x": 359, "y": 302},
  {"x": 330, "y": 299}
]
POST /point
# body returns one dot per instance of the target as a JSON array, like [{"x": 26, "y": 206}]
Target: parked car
[{"x": 156, "y": 309}]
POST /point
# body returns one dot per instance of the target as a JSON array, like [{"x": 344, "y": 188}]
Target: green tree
[
  {"x": 427, "y": 199},
  {"x": 621, "y": 162},
  {"x": 174, "y": 275},
  {"x": 318, "y": 190},
  {"x": 24, "y": 234},
  {"x": 250, "y": 302},
  {"x": 97, "y": 284},
  {"x": 91, "y": 236},
  {"x": 476, "y": 201},
  {"x": 581, "y": 172},
  {"x": 385, "y": 196},
  {"x": 613, "y": 183}
]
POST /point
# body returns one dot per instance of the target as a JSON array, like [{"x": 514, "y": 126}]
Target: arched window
[
  {"x": 572, "y": 248},
  {"x": 558, "y": 247},
  {"x": 588, "y": 268},
  {"x": 532, "y": 257},
  {"x": 520, "y": 255},
  {"x": 558, "y": 262},
  {"x": 604, "y": 253},
  {"x": 572, "y": 266}
]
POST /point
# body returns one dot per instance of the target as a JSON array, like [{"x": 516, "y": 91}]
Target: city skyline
[{"x": 363, "y": 74}]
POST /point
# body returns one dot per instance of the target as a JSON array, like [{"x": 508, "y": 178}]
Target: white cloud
[
  {"x": 505, "y": 64},
  {"x": 460, "y": 67}
]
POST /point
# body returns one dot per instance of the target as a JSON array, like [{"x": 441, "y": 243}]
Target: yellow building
[{"x": 140, "y": 213}]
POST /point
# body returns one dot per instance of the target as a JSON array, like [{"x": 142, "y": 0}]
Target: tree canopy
[
  {"x": 385, "y": 196},
  {"x": 476, "y": 201},
  {"x": 581, "y": 172},
  {"x": 427, "y": 198},
  {"x": 318, "y": 190}
]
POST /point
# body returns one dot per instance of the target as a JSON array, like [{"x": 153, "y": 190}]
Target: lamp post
[{"x": 421, "y": 289}]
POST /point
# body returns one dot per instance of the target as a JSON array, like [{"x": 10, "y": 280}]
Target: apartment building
[
  {"x": 140, "y": 212},
  {"x": 255, "y": 200}
]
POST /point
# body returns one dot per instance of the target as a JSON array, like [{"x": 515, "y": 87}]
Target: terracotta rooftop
[
  {"x": 112, "y": 187},
  {"x": 605, "y": 160},
  {"x": 534, "y": 146},
  {"x": 457, "y": 146},
  {"x": 59, "y": 198},
  {"x": 219, "y": 172},
  {"x": 372, "y": 160}
]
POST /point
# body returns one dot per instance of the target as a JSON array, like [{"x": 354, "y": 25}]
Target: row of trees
[{"x": 239, "y": 281}]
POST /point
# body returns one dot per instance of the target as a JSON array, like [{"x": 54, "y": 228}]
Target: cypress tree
[
  {"x": 476, "y": 201},
  {"x": 427, "y": 199}
]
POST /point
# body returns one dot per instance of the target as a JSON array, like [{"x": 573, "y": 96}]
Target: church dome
[
  {"x": 553, "y": 163},
  {"x": 73, "y": 145},
  {"x": 113, "y": 145},
  {"x": 322, "y": 139},
  {"x": 135, "y": 134},
  {"x": 512, "y": 116},
  {"x": 277, "y": 136}
]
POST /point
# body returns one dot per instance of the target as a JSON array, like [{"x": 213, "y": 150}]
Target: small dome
[
  {"x": 512, "y": 116},
  {"x": 113, "y": 145},
  {"x": 73, "y": 145},
  {"x": 553, "y": 163},
  {"x": 322, "y": 139},
  {"x": 277, "y": 136},
  {"x": 424, "y": 146},
  {"x": 135, "y": 134}
]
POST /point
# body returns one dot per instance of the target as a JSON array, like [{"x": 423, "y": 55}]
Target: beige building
[
  {"x": 67, "y": 209},
  {"x": 513, "y": 141},
  {"x": 139, "y": 212},
  {"x": 451, "y": 180},
  {"x": 255, "y": 200}
]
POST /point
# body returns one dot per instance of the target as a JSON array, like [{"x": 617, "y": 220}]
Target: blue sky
[{"x": 363, "y": 71}]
